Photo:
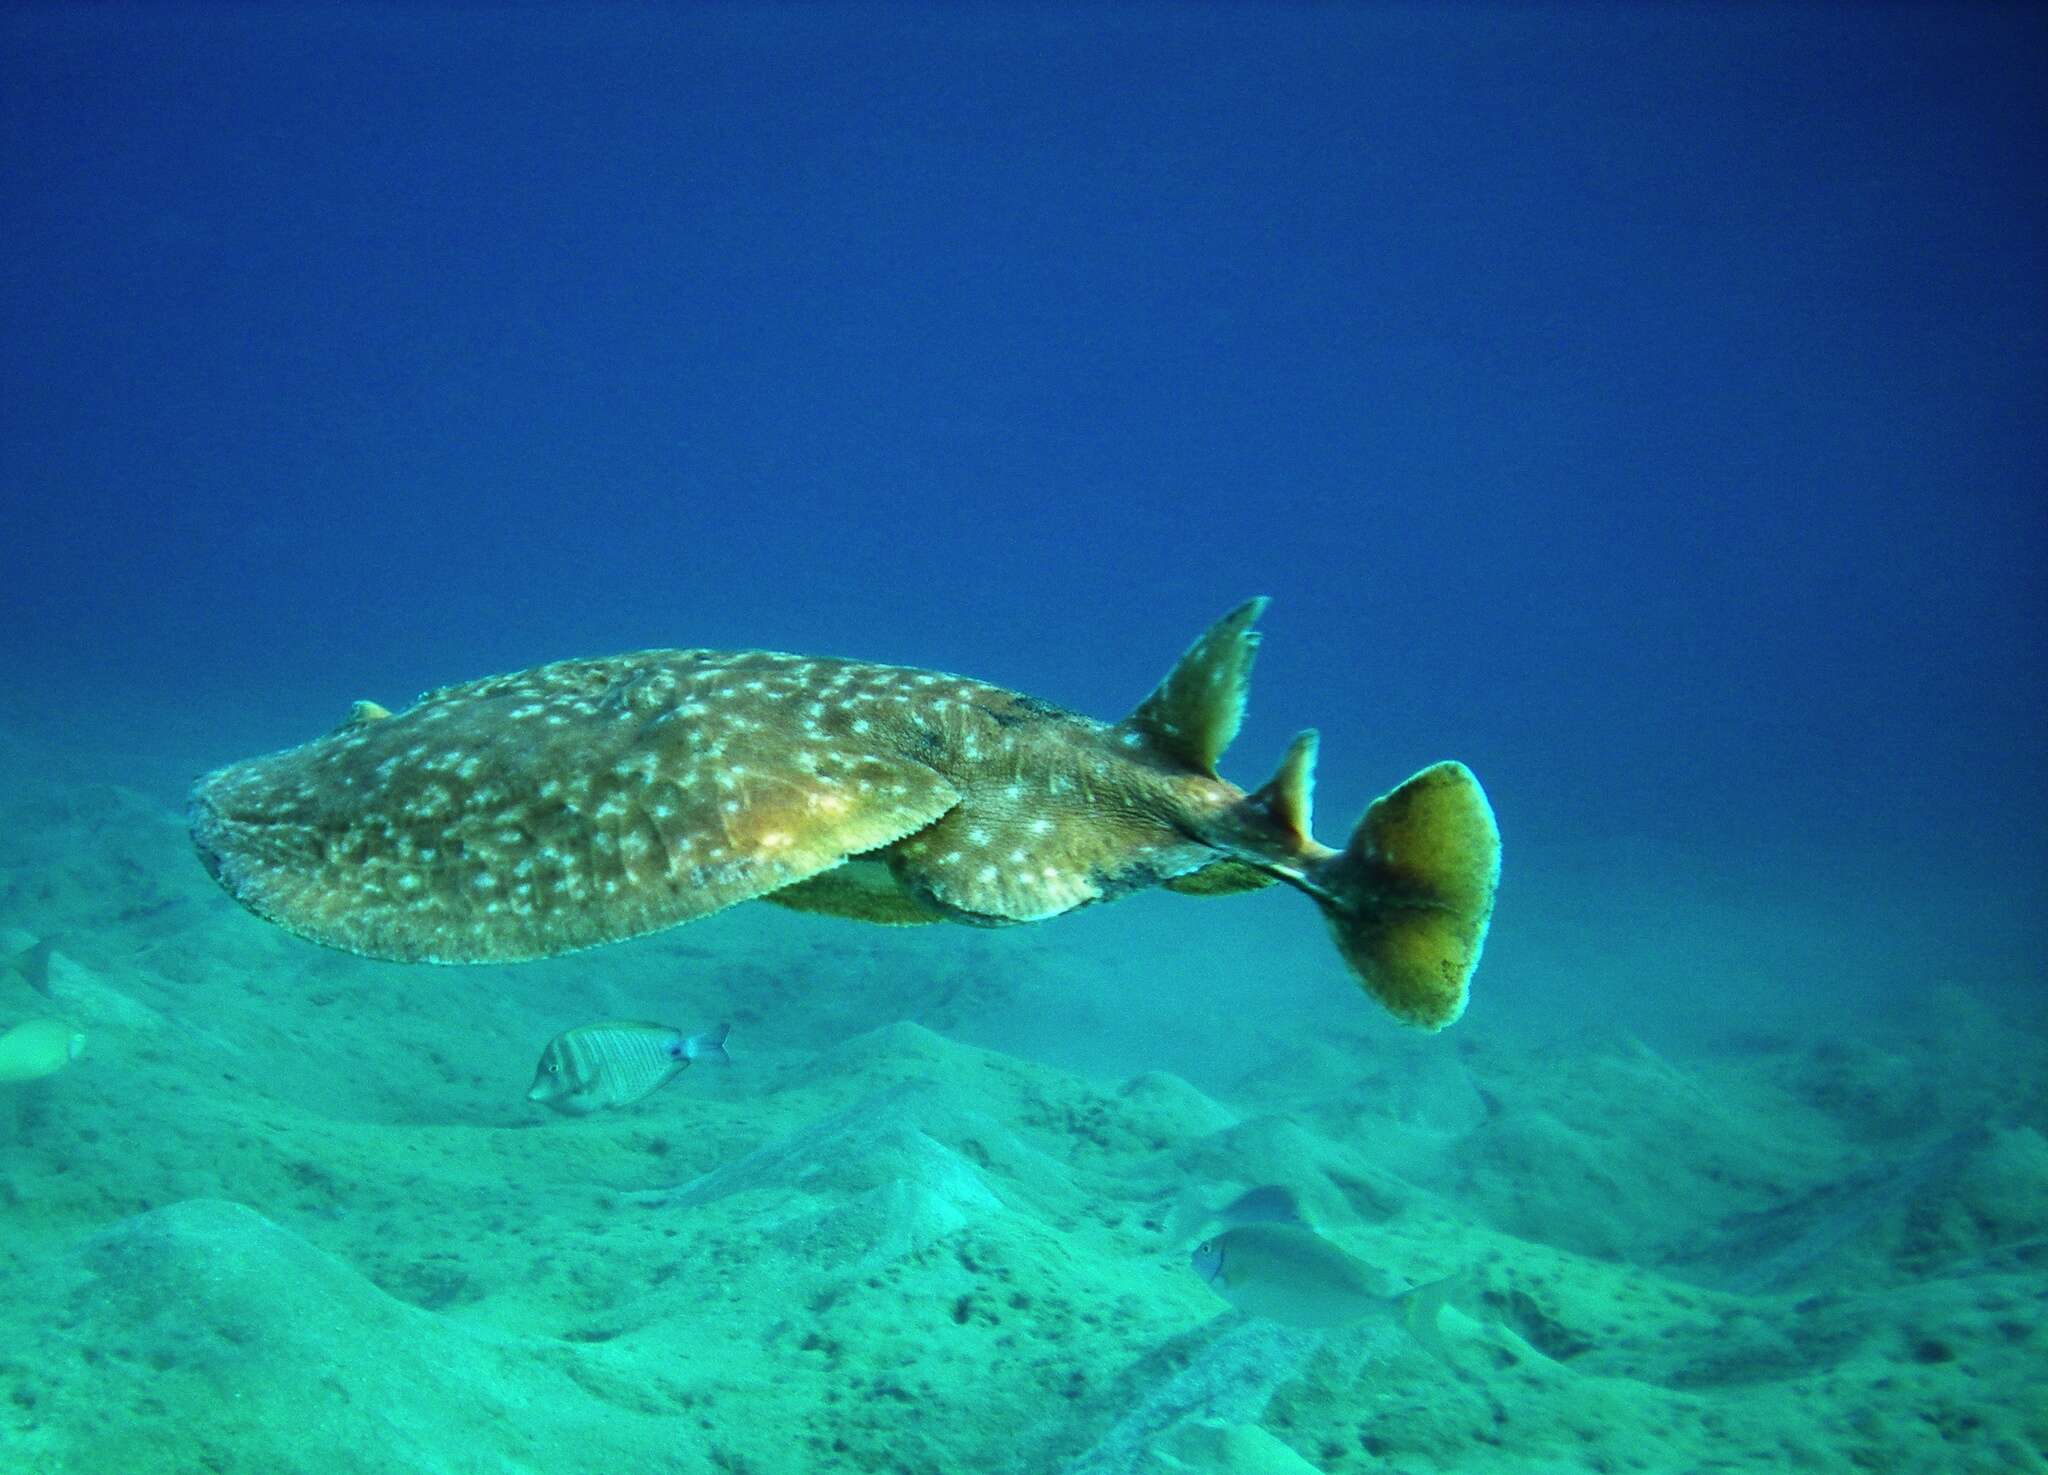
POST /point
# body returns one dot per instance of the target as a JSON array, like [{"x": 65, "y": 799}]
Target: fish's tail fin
[
  {"x": 1418, "y": 1308},
  {"x": 1409, "y": 899},
  {"x": 709, "y": 1046}
]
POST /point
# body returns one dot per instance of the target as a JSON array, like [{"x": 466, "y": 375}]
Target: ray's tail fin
[{"x": 1409, "y": 899}]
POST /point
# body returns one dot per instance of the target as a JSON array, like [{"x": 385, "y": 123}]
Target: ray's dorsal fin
[
  {"x": 1194, "y": 713},
  {"x": 1289, "y": 795}
]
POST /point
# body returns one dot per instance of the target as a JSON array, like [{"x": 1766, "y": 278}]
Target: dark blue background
[{"x": 1644, "y": 404}]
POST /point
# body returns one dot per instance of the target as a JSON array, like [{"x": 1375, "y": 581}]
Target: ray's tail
[{"x": 1409, "y": 899}]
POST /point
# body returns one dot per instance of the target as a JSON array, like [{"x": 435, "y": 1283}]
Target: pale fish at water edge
[{"x": 39, "y": 1047}]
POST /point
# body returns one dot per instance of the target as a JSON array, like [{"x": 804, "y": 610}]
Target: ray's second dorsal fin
[
  {"x": 1289, "y": 795},
  {"x": 1194, "y": 713}
]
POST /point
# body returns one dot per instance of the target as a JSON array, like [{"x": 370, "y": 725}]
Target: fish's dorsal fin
[
  {"x": 1194, "y": 713},
  {"x": 33, "y": 963},
  {"x": 1289, "y": 795}
]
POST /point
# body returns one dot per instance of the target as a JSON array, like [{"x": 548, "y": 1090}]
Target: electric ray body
[{"x": 586, "y": 801}]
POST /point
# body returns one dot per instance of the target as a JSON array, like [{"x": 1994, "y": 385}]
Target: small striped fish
[{"x": 616, "y": 1063}]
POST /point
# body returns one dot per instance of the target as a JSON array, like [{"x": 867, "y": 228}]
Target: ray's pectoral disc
[{"x": 528, "y": 815}]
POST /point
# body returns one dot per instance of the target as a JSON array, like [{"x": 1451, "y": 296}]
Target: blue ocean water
[
  {"x": 1645, "y": 408},
  {"x": 1643, "y": 405}
]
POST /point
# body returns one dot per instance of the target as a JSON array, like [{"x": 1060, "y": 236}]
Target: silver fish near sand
[
  {"x": 39, "y": 1047},
  {"x": 578, "y": 803},
  {"x": 1290, "y": 1274},
  {"x": 598, "y": 1066}
]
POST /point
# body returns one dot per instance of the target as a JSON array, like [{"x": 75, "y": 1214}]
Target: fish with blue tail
[{"x": 596, "y": 1067}]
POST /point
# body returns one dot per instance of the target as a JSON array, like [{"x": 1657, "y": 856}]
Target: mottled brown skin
[
  {"x": 1118, "y": 816},
  {"x": 527, "y": 815},
  {"x": 405, "y": 836}
]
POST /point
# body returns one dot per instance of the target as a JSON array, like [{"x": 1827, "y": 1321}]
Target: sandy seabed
[{"x": 291, "y": 1213}]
